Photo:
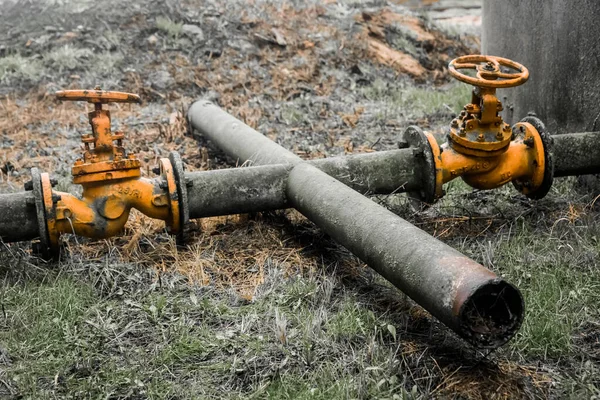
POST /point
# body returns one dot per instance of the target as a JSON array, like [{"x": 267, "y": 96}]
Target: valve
[
  {"x": 104, "y": 157},
  {"x": 481, "y": 147},
  {"x": 111, "y": 181}
]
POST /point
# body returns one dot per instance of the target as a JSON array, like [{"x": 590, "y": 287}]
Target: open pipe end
[{"x": 492, "y": 314}]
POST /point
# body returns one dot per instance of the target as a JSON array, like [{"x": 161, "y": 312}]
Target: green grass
[
  {"x": 15, "y": 67},
  {"x": 67, "y": 58},
  {"x": 417, "y": 102},
  {"x": 168, "y": 26}
]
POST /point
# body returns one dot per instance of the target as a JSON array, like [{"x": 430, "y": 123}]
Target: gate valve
[
  {"x": 481, "y": 147},
  {"x": 103, "y": 159},
  {"x": 480, "y": 130},
  {"x": 111, "y": 181}
]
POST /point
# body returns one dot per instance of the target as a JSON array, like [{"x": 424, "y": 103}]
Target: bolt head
[
  {"x": 417, "y": 151},
  {"x": 480, "y": 137}
]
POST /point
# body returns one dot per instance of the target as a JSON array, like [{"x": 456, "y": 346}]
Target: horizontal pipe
[
  {"x": 576, "y": 154},
  {"x": 470, "y": 299},
  {"x": 18, "y": 221},
  {"x": 262, "y": 188},
  {"x": 236, "y": 190},
  {"x": 248, "y": 189}
]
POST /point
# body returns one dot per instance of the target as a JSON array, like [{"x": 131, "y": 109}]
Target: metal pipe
[
  {"x": 249, "y": 189},
  {"x": 17, "y": 217},
  {"x": 262, "y": 188},
  {"x": 481, "y": 307},
  {"x": 576, "y": 154}
]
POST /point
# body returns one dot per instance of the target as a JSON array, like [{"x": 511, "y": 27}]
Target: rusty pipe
[
  {"x": 478, "y": 305},
  {"x": 576, "y": 154},
  {"x": 17, "y": 217},
  {"x": 262, "y": 188},
  {"x": 211, "y": 193}
]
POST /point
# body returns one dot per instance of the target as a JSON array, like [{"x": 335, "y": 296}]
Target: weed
[
  {"x": 417, "y": 102},
  {"x": 66, "y": 58},
  {"x": 171, "y": 28},
  {"x": 15, "y": 67}
]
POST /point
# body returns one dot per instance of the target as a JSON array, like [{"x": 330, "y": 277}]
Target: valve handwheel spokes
[
  {"x": 489, "y": 73},
  {"x": 98, "y": 96}
]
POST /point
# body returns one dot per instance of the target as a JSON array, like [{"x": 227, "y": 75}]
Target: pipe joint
[
  {"x": 481, "y": 148},
  {"x": 111, "y": 181}
]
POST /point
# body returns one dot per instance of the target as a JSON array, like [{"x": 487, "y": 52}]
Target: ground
[{"x": 266, "y": 306}]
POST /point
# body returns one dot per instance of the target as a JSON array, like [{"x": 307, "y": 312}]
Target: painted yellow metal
[
  {"x": 481, "y": 148},
  {"x": 111, "y": 181},
  {"x": 49, "y": 210},
  {"x": 104, "y": 157},
  {"x": 488, "y": 71},
  {"x": 98, "y": 96},
  {"x": 166, "y": 170}
]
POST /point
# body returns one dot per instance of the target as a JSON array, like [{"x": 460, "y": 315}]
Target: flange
[
  {"x": 42, "y": 193},
  {"x": 181, "y": 184},
  {"x": 420, "y": 142},
  {"x": 548, "y": 178}
]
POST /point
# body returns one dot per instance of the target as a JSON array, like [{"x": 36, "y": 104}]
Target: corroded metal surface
[
  {"x": 111, "y": 181},
  {"x": 98, "y": 96},
  {"x": 576, "y": 154},
  {"x": 488, "y": 75},
  {"x": 18, "y": 219},
  {"x": 432, "y": 273},
  {"x": 449, "y": 285},
  {"x": 481, "y": 148}
]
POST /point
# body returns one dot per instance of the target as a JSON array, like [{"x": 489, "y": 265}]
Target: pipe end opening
[{"x": 492, "y": 315}]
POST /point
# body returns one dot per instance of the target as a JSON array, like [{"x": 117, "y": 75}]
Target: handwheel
[
  {"x": 98, "y": 96},
  {"x": 488, "y": 70}
]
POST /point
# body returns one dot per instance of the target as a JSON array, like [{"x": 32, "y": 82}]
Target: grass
[
  {"x": 168, "y": 26},
  {"x": 66, "y": 58},
  {"x": 15, "y": 67},
  {"x": 63, "y": 335},
  {"x": 417, "y": 102},
  {"x": 104, "y": 321},
  {"x": 267, "y": 306}
]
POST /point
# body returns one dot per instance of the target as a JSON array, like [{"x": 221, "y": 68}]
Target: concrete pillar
[{"x": 559, "y": 42}]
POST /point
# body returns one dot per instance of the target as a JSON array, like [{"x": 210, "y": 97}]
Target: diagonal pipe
[{"x": 481, "y": 307}]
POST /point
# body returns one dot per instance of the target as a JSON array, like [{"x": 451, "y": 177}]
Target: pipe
[
  {"x": 17, "y": 217},
  {"x": 243, "y": 190},
  {"x": 576, "y": 154},
  {"x": 479, "y": 306},
  {"x": 262, "y": 188}
]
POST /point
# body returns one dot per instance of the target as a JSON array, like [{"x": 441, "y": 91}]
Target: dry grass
[{"x": 266, "y": 306}]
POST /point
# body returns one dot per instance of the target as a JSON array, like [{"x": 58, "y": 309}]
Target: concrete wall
[{"x": 559, "y": 42}]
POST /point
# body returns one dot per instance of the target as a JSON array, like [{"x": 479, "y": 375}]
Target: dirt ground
[{"x": 267, "y": 306}]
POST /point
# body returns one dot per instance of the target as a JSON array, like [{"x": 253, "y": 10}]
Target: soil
[{"x": 315, "y": 76}]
